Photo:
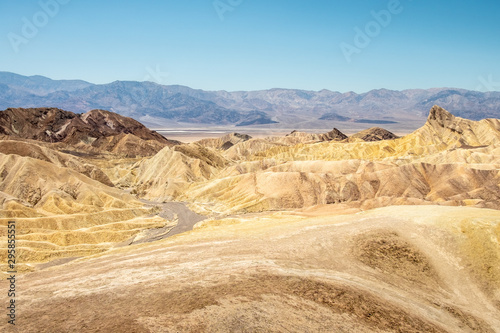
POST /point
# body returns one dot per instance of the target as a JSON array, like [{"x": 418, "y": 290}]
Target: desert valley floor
[{"x": 120, "y": 229}]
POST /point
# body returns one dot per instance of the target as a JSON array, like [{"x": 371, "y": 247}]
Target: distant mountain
[
  {"x": 176, "y": 105},
  {"x": 40, "y": 85},
  {"x": 334, "y": 116}
]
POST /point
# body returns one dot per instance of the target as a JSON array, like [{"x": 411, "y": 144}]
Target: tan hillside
[
  {"x": 246, "y": 149},
  {"x": 127, "y": 145},
  {"x": 361, "y": 184},
  {"x": 60, "y": 212},
  {"x": 441, "y": 132},
  {"x": 33, "y": 181},
  {"x": 443, "y": 126},
  {"x": 30, "y": 149},
  {"x": 373, "y": 134},
  {"x": 395, "y": 269},
  {"x": 169, "y": 173},
  {"x": 449, "y": 161},
  {"x": 296, "y": 137},
  {"x": 225, "y": 142}
]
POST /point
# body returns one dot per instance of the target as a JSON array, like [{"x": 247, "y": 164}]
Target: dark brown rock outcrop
[
  {"x": 375, "y": 134},
  {"x": 100, "y": 129}
]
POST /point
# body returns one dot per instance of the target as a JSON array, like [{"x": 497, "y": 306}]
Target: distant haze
[{"x": 176, "y": 106}]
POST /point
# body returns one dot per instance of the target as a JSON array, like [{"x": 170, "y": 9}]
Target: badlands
[{"x": 119, "y": 229}]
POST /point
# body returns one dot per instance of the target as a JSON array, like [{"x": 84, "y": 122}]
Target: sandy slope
[
  {"x": 395, "y": 269},
  {"x": 60, "y": 212}
]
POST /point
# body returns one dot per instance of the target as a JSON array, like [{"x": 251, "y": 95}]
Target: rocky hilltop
[{"x": 99, "y": 129}]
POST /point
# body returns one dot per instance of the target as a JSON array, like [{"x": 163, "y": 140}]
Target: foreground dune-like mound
[
  {"x": 31, "y": 149},
  {"x": 395, "y": 269}
]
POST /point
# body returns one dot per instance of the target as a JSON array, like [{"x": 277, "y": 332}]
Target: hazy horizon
[{"x": 234, "y": 91}]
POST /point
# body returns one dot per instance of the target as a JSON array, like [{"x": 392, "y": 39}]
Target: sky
[{"x": 340, "y": 45}]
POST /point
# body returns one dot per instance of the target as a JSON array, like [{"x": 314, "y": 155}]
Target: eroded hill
[
  {"x": 54, "y": 183},
  {"x": 448, "y": 161}
]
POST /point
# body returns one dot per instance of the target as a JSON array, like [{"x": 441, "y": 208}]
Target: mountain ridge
[{"x": 177, "y": 105}]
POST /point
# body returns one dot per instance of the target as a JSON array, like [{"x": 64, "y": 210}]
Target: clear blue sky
[{"x": 258, "y": 45}]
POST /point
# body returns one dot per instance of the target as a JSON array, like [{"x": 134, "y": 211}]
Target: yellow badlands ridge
[{"x": 449, "y": 161}]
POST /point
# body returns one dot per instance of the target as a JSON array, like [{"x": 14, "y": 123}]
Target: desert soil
[{"x": 394, "y": 269}]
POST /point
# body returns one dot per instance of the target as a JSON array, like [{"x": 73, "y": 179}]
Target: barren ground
[{"x": 394, "y": 269}]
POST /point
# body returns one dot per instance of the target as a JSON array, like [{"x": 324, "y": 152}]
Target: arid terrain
[{"x": 120, "y": 229}]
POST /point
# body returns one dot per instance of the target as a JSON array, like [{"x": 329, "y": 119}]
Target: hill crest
[{"x": 99, "y": 129}]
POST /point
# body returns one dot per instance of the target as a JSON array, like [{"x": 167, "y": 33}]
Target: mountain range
[{"x": 180, "y": 106}]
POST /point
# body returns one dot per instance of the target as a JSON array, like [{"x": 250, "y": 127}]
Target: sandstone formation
[
  {"x": 166, "y": 175},
  {"x": 374, "y": 134},
  {"x": 33, "y": 150},
  {"x": 60, "y": 212},
  {"x": 64, "y": 204},
  {"x": 334, "y": 135}
]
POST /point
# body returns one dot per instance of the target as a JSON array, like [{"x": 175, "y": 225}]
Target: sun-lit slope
[
  {"x": 32, "y": 149},
  {"x": 373, "y": 134},
  {"x": 225, "y": 142},
  {"x": 394, "y": 269},
  {"x": 442, "y": 131},
  {"x": 245, "y": 149},
  {"x": 60, "y": 212},
  {"x": 443, "y": 126},
  {"x": 449, "y": 161},
  {"x": 37, "y": 182},
  {"x": 167, "y": 174},
  {"x": 359, "y": 183},
  {"x": 482, "y": 157},
  {"x": 478, "y": 157},
  {"x": 127, "y": 145},
  {"x": 121, "y": 171},
  {"x": 296, "y": 137}
]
